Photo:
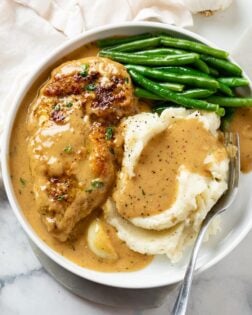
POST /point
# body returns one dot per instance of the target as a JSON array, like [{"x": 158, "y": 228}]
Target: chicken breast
[{"x": 71, "y": 144}]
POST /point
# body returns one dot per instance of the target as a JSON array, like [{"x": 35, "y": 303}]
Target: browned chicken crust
[{"x": 72, "y": 139}]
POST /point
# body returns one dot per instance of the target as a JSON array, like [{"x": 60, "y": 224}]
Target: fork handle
[{"x": 180, "y": 305}]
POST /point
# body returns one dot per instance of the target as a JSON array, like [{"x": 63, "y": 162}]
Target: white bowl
[{"x": 236, "y": 222}]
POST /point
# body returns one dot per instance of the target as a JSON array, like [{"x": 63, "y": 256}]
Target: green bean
[
  {"x": 141, "y": 93},
  {"x": 173, "y": 86},
  {"x": 160, "y": 51},
  {"x": 197, "y": 93},
  {"x": 152, "y": 61},
  {"x": 213, "y": 72},
  {"x": 112, "y": 41},
  {"x": 200, "y": 64},
  {"x": 234, "y": 82},
  {"x": 186, "y": 78},
  {"x": 194, "y": 93},
  {"x": 182, "y": 70},
  {"x": 231, "y": 101},
  {"x": 138, "y": 44},
  {"x": 224, "y": 65},
  {"x": 193, "y": 46},
  {"x": 172, "y": 96},
  {"x": 225, "y": 89}
]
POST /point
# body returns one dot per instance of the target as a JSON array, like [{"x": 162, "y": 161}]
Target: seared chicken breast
[{"x": 72, "y": 139}]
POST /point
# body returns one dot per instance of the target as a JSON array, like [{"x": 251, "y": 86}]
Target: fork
[{"x": 223, "y": 203}]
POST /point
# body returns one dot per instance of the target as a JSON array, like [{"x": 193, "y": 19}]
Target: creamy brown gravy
[
  {"x": 154, "y": 187},
  {"x": 76, "y": 250},
  {"x": 242, "y": 123}
]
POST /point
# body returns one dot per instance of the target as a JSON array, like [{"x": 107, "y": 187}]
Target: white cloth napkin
[
  {"x": 30, "y": 29},
  {"x": 75, "y": 16}
]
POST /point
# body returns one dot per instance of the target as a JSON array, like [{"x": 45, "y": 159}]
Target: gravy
[
  {"x": 154, "y": 187},
  {"x": 242, "y": 123}
]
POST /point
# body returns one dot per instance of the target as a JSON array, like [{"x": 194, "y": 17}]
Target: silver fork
[{"x": 224, "y": 202}]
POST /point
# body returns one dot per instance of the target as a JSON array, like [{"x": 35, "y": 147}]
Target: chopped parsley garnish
[
  {"x": 96, "y": 183},
  {"x": 68, "y": 149},
  {"x": 22, "y": 181},
  {"x": 90, "y": 87},
  {"x": 56, "y": 107},
  {"x": 69, "y": 104},
  {"x": 84, "y": 71},
  {"x": 109, "y": 133},
  {"x": 61, "y": 197}
]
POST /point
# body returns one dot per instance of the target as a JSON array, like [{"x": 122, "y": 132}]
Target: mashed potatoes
[{"x": 174, "y": 170}]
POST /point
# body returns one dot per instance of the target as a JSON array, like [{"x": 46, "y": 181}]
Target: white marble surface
[{"x": 226, "y": 289}]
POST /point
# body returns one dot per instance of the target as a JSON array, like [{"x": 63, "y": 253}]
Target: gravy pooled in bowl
[{"x": 242, "y": 123}]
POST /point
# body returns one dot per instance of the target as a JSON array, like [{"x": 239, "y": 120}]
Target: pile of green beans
[
  {"x": 176, "y": 98},
  {"x": 178, "y": 71}
]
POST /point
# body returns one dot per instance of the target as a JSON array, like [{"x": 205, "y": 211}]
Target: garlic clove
[
  {"x": 99, "y": 241},
  {"x": 207, "y": 7}
]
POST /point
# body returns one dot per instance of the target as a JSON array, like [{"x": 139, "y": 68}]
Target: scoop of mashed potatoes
[{"x": 174, "y": 170}]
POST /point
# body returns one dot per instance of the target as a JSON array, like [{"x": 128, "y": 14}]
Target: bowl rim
[{"x": 63, "y": 50}]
